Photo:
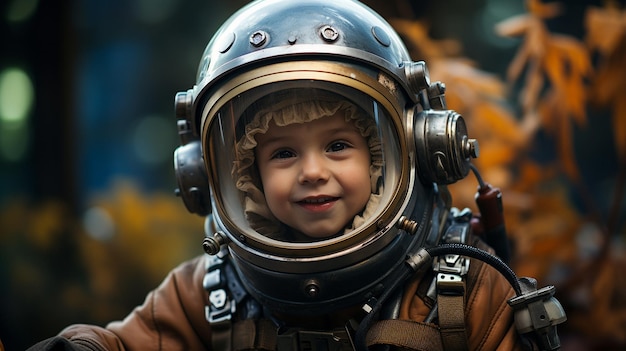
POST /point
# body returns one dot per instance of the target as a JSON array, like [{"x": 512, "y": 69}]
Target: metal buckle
[
  {"x": 451, "y": 269},
  {"x": 220, "y": 308}
]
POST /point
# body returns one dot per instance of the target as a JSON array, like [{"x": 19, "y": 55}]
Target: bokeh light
[
  {"x": 16, "y": 102},
  {"x": 21, "y": 10}
]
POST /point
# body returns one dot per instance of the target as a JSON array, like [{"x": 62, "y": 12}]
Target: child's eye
[
  {"x": 283, "y": 154},
  {"x": 338, "y": 146}
]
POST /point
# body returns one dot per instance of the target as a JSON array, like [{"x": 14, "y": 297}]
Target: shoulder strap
[
  {"x": 451, "y": 272},
  {"x": 451, "y": 309},
  {"x": 406, "y": 334},
  {"x": 250, "y": 334},
  {"x": 220, "y": 307},
  {"x": 225, "y": 295}
]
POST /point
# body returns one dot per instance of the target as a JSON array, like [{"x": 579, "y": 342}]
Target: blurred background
[{"x": 89, "y": 222}]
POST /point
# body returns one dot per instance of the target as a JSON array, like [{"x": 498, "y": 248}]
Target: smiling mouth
[
  {"x": 318, "y": 204},
  {"x": 318, "y": 200}
]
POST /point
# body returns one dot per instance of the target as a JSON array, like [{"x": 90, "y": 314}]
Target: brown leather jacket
[{"x": 172, "y": 316}]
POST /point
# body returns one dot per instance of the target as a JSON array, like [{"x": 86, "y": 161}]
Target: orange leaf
[
  {"x": 566, "y": 150},
  {"x": 539, "y": 9},
  {"x": 421, "y": 46},
  {"x": 494, "y": 153},
  {"x": 530, "y": 92},
  {"x": 607, "y": 83},
  {"x": 575, "y": 52},
  {"x": 514, "y": 26},
  {"x": 568, "y": 68},
  {"x": 500, "y": 122},
  {"x": 605, "y": 27},
  {"x": 465, "y": 73},
  {"x": 530, "y": 175},
  {"x": 553, "y": 64}
]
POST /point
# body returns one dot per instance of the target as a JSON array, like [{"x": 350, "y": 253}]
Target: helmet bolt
[
  {"x": 407, "y": 225},
  {"x": 329, "y": 33},
  {"x": 212, "y": 245},
  {"x": 471, "y": 148},
  {"x": 312, "y": 289},
  {"x": 258, "y": 38}
]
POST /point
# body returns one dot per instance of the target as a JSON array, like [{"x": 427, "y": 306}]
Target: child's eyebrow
[
  {"x": 273, "y": 139},
  {"x": 344, "y": 129},
  {"x": 282, "y": 136}
]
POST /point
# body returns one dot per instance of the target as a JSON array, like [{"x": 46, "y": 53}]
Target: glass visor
[{"x": 261, "y": 140}]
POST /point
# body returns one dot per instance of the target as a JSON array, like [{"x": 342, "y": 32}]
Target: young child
[
  {"x": 319, "y": 163},
  {"x": 319, "y": 153}
]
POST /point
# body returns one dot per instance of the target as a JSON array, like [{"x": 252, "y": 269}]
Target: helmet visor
[{"x": 301, "y": 162}]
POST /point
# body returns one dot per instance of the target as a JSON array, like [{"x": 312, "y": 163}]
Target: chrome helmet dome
[{"x": 276, "y": 54}]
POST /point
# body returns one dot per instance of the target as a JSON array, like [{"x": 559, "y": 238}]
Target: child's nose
[{"x": 313, "y": 169}]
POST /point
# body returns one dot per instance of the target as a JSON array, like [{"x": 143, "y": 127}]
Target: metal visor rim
[{"x": 322, "y": 73}]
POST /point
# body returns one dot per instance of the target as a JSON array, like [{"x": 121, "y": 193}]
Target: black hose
[
  {"x": 479, "y": 178},
  {"x": 481, "y": 255}
]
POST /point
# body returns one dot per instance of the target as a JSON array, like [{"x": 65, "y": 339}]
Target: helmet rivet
[
  {"x": 329, "y": 33},
  {"x": 381, "y": 36},
  {"x": 292, "y": 38},
  {"x": 258, "y": 38},
  {"x": 225, "y": 42}
]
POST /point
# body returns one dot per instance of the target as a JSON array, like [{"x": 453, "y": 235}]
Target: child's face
[{"x": 315, "y": 175}]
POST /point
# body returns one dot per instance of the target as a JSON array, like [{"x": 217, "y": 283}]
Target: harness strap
[
  {"x": 266, "y": 339},
  {"x": 412, "y": 335},
  {"x": 221, "y": 335},
  {"x": 249, "y": 334},
  {"x": 245, "y": 332},
  {"x": 451, "y": 271},
  {"x": 452, "y": 322}
]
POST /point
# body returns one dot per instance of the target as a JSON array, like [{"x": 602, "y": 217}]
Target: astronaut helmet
[{"x": 331, "y": 76}]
